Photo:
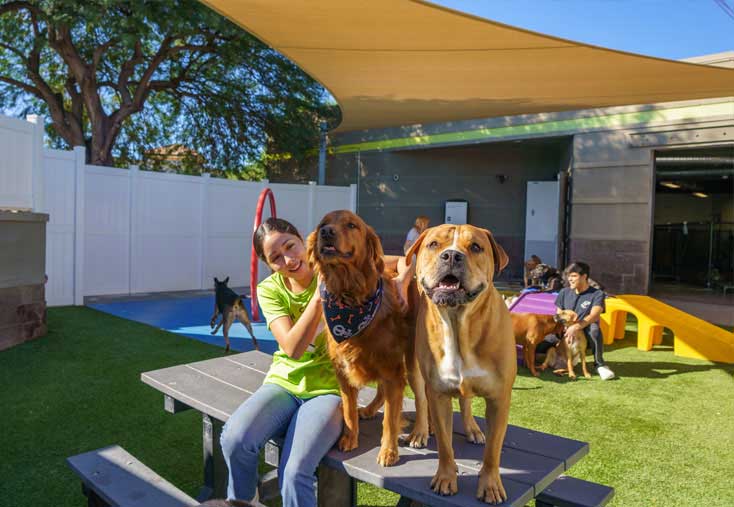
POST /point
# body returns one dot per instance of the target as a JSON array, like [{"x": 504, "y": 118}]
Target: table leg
[
  {"x": 215, "y": 468},
  {"x": 335, "y": 488}
]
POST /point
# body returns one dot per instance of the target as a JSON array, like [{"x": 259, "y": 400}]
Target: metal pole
[{"x": 322, "y": 153}]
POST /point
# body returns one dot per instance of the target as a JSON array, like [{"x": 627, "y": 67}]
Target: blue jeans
[{"x": 309, "y": 427}]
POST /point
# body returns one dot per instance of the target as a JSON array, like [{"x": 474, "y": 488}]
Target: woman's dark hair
[
  {"x": 579, "y": 267},
  {"x": 268, "y": 226}
]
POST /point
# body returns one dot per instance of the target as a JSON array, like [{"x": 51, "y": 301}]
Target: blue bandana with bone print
[{"x": 347, "y": 321}]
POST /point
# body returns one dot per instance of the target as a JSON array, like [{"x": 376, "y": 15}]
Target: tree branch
[{"x": 24, "y": 86}]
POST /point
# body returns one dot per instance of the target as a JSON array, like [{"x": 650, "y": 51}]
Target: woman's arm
[
  {"x": 294, "y": 339},
  {"x": 405, "y": 275}
]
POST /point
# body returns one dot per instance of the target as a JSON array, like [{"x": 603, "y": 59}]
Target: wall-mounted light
[
  {"x": 700, "y": 194},
  {"x": 669, "y": 184}
]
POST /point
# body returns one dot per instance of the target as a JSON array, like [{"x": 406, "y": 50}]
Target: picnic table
[{"x": 530, "y": 461}]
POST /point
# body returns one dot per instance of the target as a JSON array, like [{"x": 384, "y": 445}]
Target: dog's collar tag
[{"x": 347, "y": 321}]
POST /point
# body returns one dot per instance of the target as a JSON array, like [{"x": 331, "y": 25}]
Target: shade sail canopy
[{"x": 404, "y": 62}]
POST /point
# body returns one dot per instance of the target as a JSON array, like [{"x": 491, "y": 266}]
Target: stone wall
[
  {"x": 22, "y": 277},
  {"x": 22, "y": 314}
]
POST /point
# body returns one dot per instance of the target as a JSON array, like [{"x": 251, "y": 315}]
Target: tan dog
[
  {"x": 464, "y": 343},
  {"x": 348, "y": 255},
  {"x": 569, "y": 351},
  {"x": 530, "y": 329}
]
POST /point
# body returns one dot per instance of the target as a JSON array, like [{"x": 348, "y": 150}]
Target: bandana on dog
[{"x": 347, "y": 321}]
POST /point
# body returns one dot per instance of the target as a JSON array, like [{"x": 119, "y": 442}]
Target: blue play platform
[{"x": 190, "y": 317}]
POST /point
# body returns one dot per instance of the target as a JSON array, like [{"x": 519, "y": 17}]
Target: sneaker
[{"x": 605, "y": 373}]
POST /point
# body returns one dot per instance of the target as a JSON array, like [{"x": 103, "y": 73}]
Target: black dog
[
  {"x": 230, "y": 305},
  {"x": 547, "y": 278}
]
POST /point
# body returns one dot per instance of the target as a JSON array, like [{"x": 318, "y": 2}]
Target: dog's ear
[
  {"x": 311, "y": 247},
  {"x": 374, "y": 250},
  {"x": 413, "y": 250},
  {"x": 226, "y": 280},
  {"x": 498, "y": 253},
  {"x": 215, "y": 280}
]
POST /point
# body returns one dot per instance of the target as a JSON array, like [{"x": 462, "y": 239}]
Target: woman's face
[{"x": 286, "y": 254}]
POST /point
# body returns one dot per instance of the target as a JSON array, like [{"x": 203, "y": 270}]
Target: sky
[{"x": 671, "y": 29}]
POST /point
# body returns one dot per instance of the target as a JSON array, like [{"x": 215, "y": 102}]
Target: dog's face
[
  {"x": 566, "y": 317},
  {"x": 343, "y": 237},
  {"x": 455, "y": 264},
  {"x": 222, "y": 284},
  {"x": 541, "y": 272}
]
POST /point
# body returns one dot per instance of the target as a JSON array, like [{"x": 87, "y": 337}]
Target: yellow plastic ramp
[{"x": 693, "y": 337}]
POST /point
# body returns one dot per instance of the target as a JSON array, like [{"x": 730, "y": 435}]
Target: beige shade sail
[{"x": 404, "y": 62}]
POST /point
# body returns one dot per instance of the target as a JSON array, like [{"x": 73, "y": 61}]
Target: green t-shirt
[{"x": 312, "y": 374}]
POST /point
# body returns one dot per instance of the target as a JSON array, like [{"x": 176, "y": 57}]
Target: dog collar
[{"x": 347, "y": 321}]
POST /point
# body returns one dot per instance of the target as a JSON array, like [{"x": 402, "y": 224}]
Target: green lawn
[{"x": 663, "y": 434}]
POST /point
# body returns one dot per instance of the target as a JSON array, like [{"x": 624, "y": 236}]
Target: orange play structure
[{"x": 693, "y": 337}]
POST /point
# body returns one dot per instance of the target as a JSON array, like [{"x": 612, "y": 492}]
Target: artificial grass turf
[{"x": 661, "y": 434}]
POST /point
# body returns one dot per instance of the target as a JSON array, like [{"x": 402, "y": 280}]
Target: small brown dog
[
  {"x": 369, "y": 337},
  {"x": 530, "y": 329},
  {"x": 569, "y": 352},
  {"x": 229, "y": 304}
]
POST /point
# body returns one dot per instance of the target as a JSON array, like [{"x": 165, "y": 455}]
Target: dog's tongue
[{"x": 449, "y": 282}]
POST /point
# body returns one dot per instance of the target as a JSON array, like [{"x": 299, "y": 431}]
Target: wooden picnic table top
[{"x": 530, "y": 460}]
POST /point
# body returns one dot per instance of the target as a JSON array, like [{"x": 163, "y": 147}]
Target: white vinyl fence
[
  {"x": 126, "y": 231},
  {"x": 20, "y": 164}
]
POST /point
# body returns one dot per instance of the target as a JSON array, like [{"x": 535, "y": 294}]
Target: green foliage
[{"x": 124, "y": 76}]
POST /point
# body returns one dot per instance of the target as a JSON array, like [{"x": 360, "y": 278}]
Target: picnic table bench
[{"x": 531, "y": 461}]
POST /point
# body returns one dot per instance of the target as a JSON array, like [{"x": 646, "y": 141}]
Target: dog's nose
[
  {"x": 452, "y": 257},
  {"x": 326, "y": 232}
]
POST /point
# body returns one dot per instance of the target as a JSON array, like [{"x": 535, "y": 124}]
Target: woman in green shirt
[{"x": 299, "y": 399}]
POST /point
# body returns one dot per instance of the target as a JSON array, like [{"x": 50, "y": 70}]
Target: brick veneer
[
  {"x": 620, "y": 265},
  {"x": 22, "y": 314}
]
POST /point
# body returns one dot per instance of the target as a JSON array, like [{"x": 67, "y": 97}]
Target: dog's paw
[
  {"x": 490, "y": 488},
  {"x": 474, "y": 434},
  {"x": 387, "y": 456},
  {"x": 366, "y": 412},
  {"x": 572, "y": 376},
  {"x": 418, "y": 438},
  {"x": 445, "y": 481},
  {"x": 226, "y": 349},
  {"x": 348, "y": 442},
  {"x": 587, "y": 375}
]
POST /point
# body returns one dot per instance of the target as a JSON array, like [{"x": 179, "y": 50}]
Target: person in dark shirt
[{"x": 588, "y": 303}]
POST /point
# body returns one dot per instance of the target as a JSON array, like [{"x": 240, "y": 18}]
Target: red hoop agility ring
[{"x": 253, "y": 256}]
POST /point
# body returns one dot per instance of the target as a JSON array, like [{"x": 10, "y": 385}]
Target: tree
[{"x": 124, "y": 76}]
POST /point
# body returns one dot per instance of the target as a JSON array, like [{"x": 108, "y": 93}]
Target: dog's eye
[
  {"x": 476, "y": 248},
  {"x": 351, "y": 225},
  {"x": 433, "y": 244}
]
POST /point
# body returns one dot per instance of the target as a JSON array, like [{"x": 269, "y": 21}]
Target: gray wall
[
  {"x": 428, "y": 177},
  {"x": 611, "y": 212}
]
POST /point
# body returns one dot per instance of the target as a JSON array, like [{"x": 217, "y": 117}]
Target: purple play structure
[{"x": 542, "y": 303}]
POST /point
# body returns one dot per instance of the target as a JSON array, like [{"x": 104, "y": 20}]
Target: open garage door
[{"x": 693, "y": 241}]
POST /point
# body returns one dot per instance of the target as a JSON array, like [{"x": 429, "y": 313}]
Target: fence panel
[
  {"x": 59, "y": 179},
  {"x": 166, "y": 248},
  {"x": 17, "y": 163},
  {"x": 106, "y": 231},
  {"x": 229, "y": 217}
]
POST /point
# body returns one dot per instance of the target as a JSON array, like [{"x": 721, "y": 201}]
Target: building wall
[
  {"x": 612, "y": 210},
  {"x": 611, "y": 156},
  {"x": 397, "y": 186}
]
